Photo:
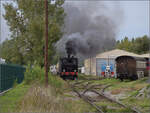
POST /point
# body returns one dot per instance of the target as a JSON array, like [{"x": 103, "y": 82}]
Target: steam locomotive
[{"x": 68, "y": 66}]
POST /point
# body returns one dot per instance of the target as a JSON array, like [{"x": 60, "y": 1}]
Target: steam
[{"x": 90, "y": 27}]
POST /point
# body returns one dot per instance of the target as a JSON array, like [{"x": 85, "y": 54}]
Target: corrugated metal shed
[
  {"x": 94, "y": 66},
  {"x": 115, "y": 53}
]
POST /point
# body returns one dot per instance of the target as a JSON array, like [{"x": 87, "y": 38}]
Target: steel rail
[
  {"x": 92, "y": 88},
  {"x": 117, "y": 102},
  {"x": 98, "y": 108}
]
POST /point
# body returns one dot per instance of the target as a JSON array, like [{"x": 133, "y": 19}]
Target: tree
[
  {"x": 139, "y": 45},
  {"x": 125, "y": 44},
  {"x": 26, "y": 22}
]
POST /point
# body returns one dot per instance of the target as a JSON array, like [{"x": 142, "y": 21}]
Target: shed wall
[
  {"x": 101, "y": 64},
  {"x": 90, "y": 66}
]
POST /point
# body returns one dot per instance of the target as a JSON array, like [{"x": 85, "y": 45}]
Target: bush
[
  {"x": 36, "y": 73},
  {"x": 55, "y": 81},
  {"x": 33, "y": 73},
  {"x": 15, "y": 83}
]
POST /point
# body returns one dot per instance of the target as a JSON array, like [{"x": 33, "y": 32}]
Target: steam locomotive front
[
  {"x": 69, "y": 68},
  {"x": 69, "y": 64}
]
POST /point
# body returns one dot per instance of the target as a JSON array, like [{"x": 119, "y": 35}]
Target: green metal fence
[{"x": 8, "y": 74}]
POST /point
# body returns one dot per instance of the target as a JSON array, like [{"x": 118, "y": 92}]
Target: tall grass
[
  {"x": 36, "y": 74},
  {"x": 10, "y": 100},
  {"x": 44, "y": 100},
  {"x": 51, "y": 99},
  {"x": 33, "y": 73}
]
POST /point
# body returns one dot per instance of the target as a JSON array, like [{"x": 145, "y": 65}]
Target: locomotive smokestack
[{"x": 70, "y": 48}]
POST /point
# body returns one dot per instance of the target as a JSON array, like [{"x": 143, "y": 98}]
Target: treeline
[
  {"x": 139, "y": 45},
  {"x": 12, "y": 53},
  {"x": 26, "y": 21}
]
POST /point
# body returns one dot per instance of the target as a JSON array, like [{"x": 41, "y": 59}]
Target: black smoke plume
[{"x": 90, "y": 28}]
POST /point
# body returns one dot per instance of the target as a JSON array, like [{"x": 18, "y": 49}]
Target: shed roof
[
  {"x": 146, "y": 55},
  {"x": 116, "y": 53}
]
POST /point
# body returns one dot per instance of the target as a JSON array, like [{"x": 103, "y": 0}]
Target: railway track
[{"x": 81, "y": 88}]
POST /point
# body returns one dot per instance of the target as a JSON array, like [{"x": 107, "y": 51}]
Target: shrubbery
[
  {"x": 33, "y": 73},
  {"x": 36, "y": 73}
]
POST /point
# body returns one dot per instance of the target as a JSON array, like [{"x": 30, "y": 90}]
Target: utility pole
[
  {"x": 46, "y": 44},
  {"x": 149, "y": 53},
  {"x": 90, "y": 66},
  {"x": 0, "y": 22}
]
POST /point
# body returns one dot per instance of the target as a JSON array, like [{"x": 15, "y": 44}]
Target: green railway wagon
[{"x": 8, "y": 74}]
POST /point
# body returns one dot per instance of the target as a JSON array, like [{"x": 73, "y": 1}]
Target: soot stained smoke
[{"x": 89, "y": 29}]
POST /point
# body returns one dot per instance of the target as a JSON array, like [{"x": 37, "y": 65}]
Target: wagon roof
[
  {"x": 116, "y": 53},
  {"x": 135, "y": 58}
]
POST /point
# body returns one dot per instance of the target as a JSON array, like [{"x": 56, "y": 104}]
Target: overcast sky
[{"x": 135, "y": 22}]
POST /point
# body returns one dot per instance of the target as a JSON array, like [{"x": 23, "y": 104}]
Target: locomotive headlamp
[
  {"x": 63, "y": 70},
  {"x": 75, "y": 70}
]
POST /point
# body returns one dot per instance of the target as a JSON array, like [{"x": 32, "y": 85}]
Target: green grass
[
  {"x": 32, "y": 95},
  {"x": 130, "y": 89},
  {"x": 9, "y": 101},
  {"x": 23, "y": 98},
  {"x": 115, "y": 107},
  {"x": 41, "y": 99},
  {"x": 78, "y": 106},
  {"x": 143, "y": 104},
  {"x": 117, "y": 84}
]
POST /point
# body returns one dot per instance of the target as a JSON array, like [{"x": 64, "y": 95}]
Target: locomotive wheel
[
  {"x": 64, "y": 78},
  {"x": 76, "y": 78},
  {"x": 121, "y": 79},
  {"x": 134, "y": 77}
]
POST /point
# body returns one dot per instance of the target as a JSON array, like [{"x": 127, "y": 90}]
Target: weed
[
  {"x": 33, "y": 73},
  {"x": 41, "y": 99},
  {"x": 15, "y": 83},
  {"x": 9, "y": 101}
]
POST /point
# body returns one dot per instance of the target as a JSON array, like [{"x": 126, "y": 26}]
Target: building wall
[
  {"x": 86, "y": 65},
  {"x": 94, "y": 66},
  {"x": 101, "y": 64},
  {"x": 90, "y": 66}
]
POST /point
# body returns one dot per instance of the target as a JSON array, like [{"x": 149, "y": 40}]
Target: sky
[{"x": 135, "y": 20}]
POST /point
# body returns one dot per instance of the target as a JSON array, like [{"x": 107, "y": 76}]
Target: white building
[{"x": 2, "y": 61}]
